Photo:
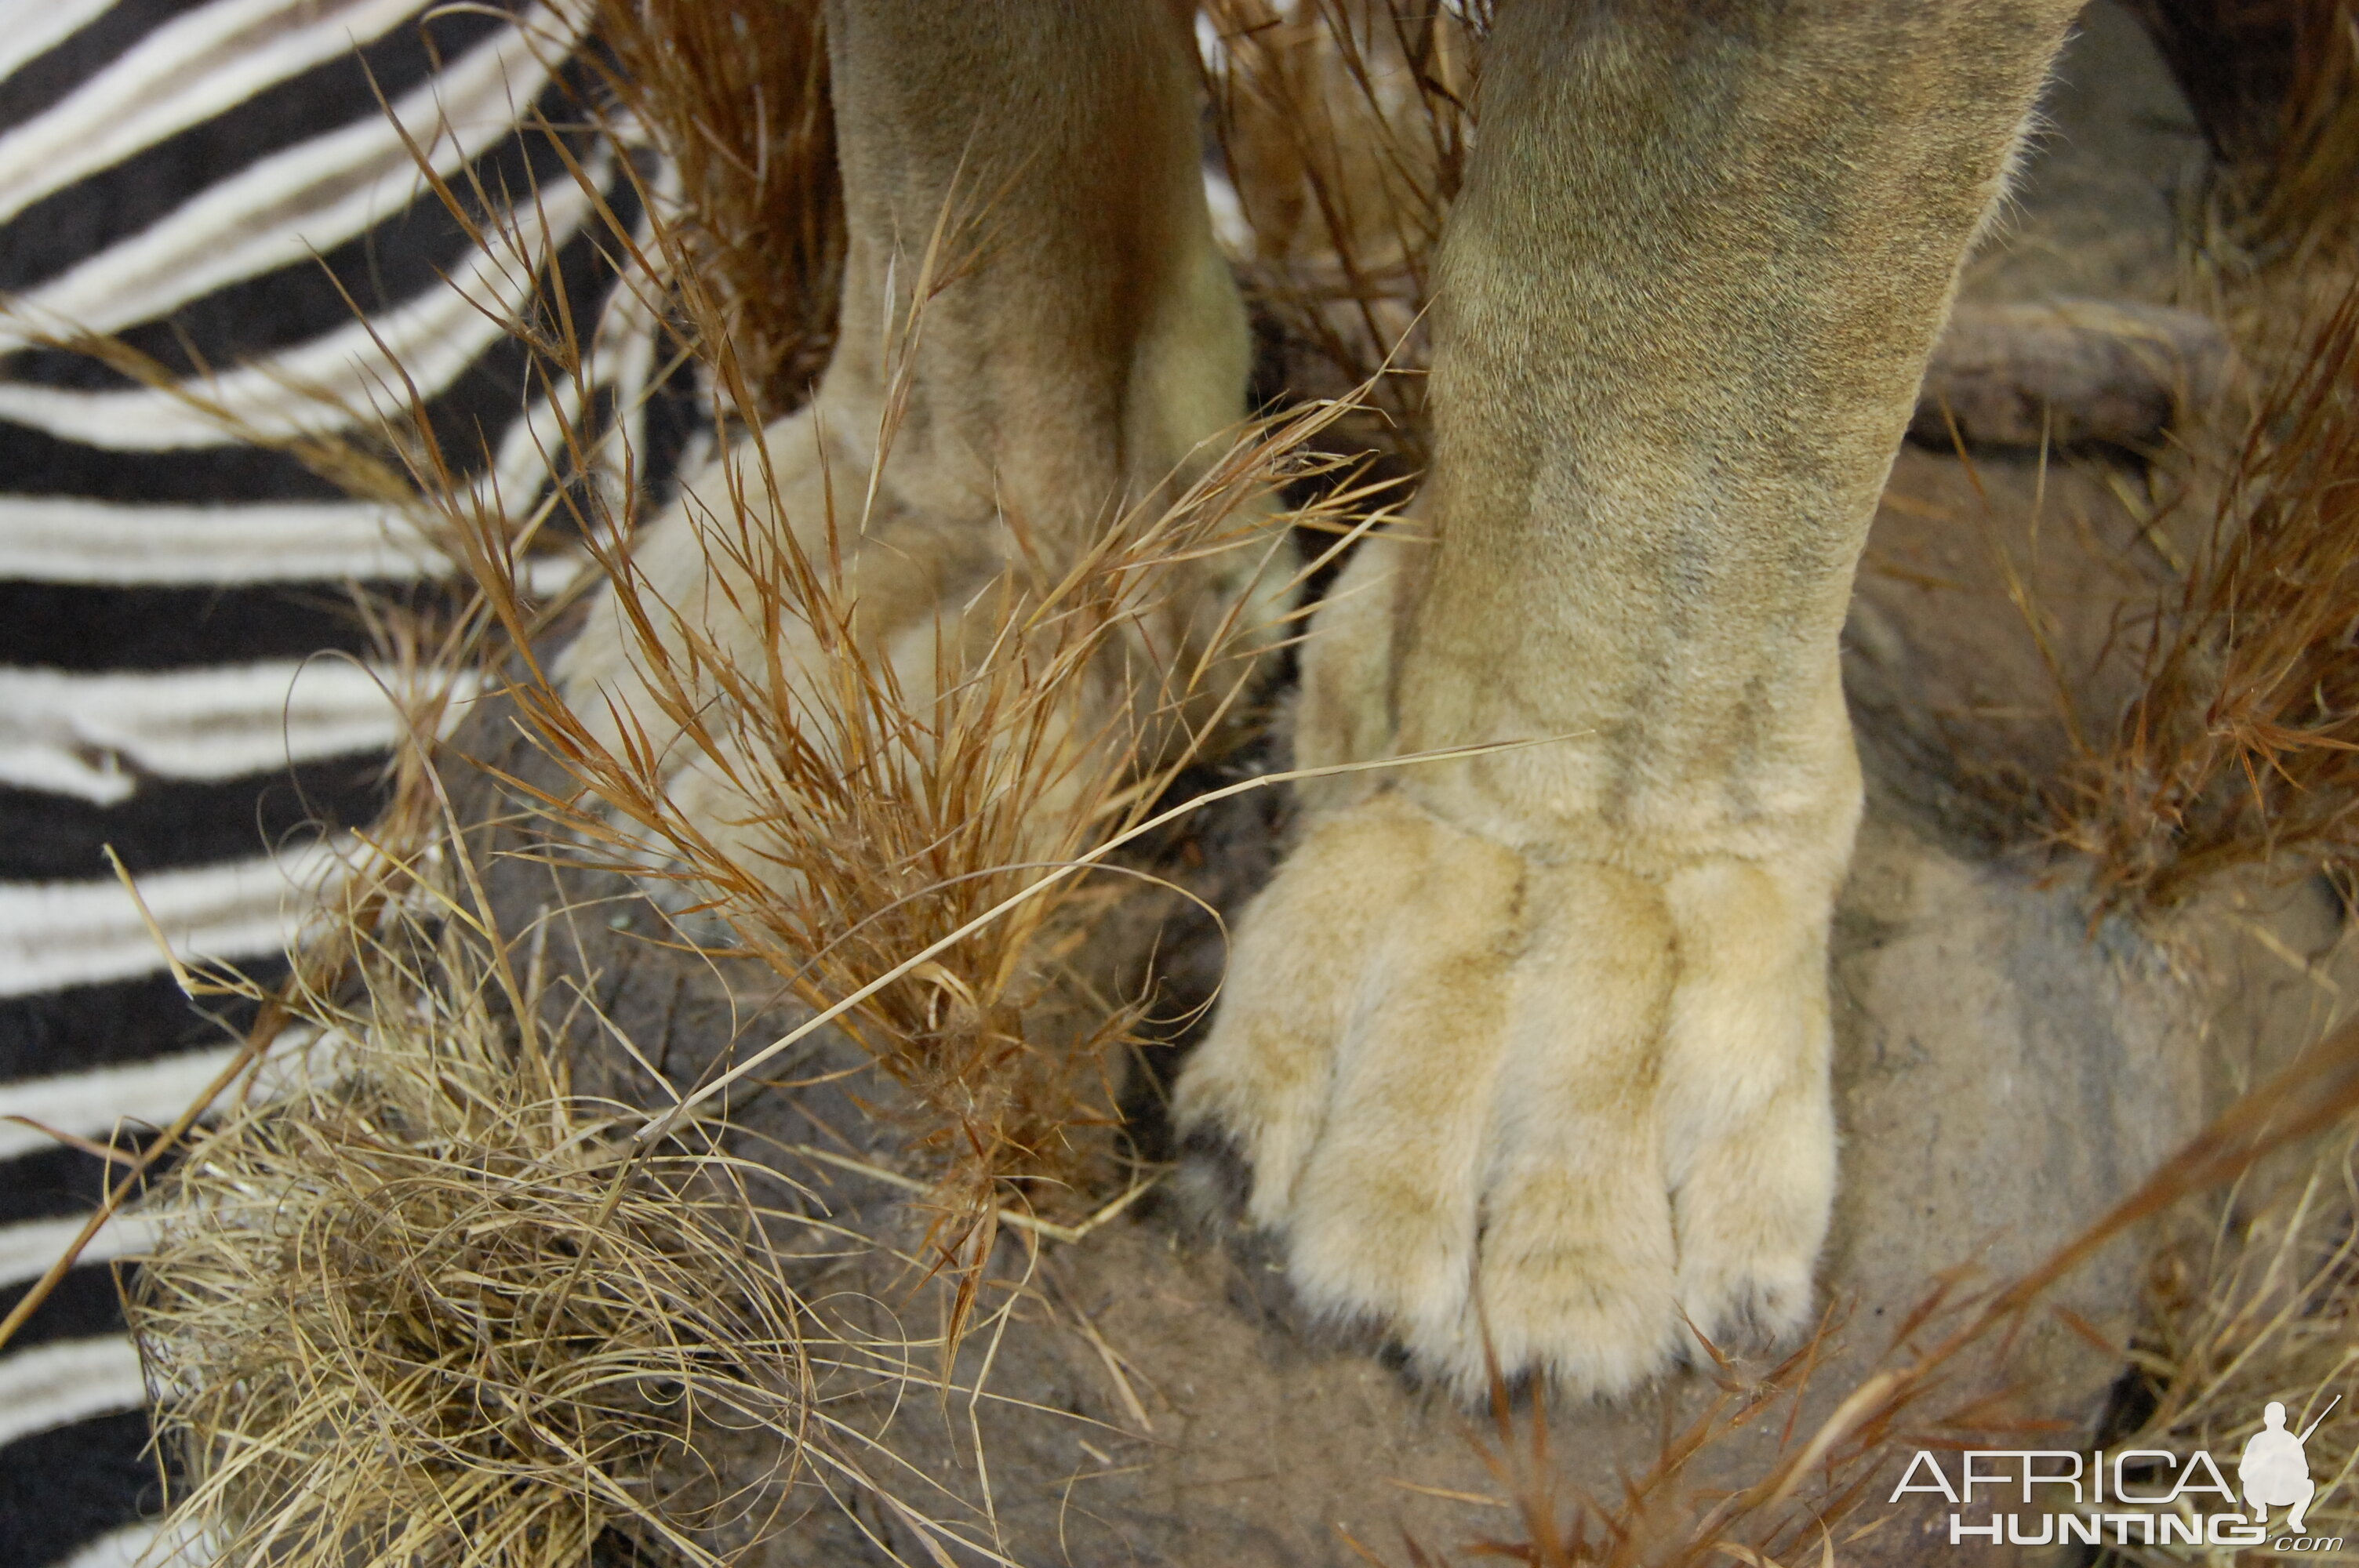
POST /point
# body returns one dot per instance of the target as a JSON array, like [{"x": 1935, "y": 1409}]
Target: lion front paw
[{"x": 1581, "y": 1111}]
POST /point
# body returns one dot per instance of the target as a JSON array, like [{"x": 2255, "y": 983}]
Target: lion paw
[{"x": 1581, "y": 1112}]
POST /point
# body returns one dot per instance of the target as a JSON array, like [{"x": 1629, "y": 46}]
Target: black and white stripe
[{"x": 206, "y": 179}]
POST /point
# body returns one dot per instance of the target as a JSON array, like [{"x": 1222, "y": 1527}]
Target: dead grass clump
[
  {"x": 2243, "y": 742},
  {"x": 904, "y": 860},
  {"x": 429, "y": 1305},
  {"x": 429, "y": 1311}
]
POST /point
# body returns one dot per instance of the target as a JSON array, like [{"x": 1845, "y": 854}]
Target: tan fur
[
  {"x": 1538, "y": 1040},
  {"x": 1087, "y": 341}
]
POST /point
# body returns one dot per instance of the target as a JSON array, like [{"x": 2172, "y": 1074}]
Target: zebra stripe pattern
[{"x": 217, "y": 184}]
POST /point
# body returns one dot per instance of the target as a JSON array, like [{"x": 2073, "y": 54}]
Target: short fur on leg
[{"x": 1037, "y": 334}]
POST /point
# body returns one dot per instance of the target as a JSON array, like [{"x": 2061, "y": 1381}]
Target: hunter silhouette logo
[
  {"x": 2274, "y": 1471},
  {"x": 2131, "y": 1496}
]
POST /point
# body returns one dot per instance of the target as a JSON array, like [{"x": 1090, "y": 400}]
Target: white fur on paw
[{"x": 1562, "y": 1107}]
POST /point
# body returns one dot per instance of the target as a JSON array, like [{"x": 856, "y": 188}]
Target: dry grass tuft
[
  {"x": 914, "y": 853},
  {"x": 426, "y": 1305},
  {"x": 432, "y": 1309},
  {"x": 2243, "y": 744}
]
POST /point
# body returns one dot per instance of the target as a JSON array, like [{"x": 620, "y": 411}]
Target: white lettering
[
  {"x": 2031, "y": 1477},
  {"x": 1941, "y": 1482},
  {"x": 2015, "y": 1537},
  {"x": 2194, "y": 1476},
  {"x": 2186, "y": 1483},
  {"x": 2234, "y": 1530},
  {"x": 1967, "y": 1479},
  {"x": 2122, "y": 1493}
]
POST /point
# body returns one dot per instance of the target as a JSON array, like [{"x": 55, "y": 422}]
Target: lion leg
[
  {"x": 1036, "y": 331},
  {"x": 1684, "y": 304}
]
